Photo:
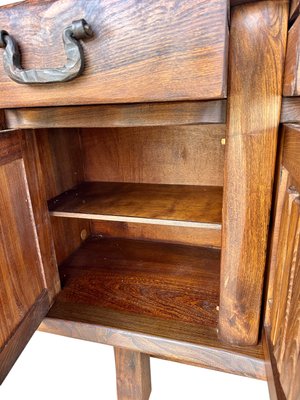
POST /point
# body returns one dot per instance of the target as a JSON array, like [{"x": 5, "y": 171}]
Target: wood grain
[
  {"x": 20, "y": 337},
  {"x": 119, "y": 115},
  {"x": 121, "y": 296},
  {"x": 144, "y": 278},
  {"x": 257, "y": 30},
  {"x": 190, "y": 206},
  {"x": 144, "y": 155},
  {"x": 273, "y": 378},
  {"x": 133, "y": 375},
  {"x": 173, "y": 234},
  {"x": 291, "y": 84},
  {"x": 290, "y": 110},
  {"x": 62, "y": 167},
  {"x": 20, "y": 285},
  {"x": 183, "y": 44},
  {"x": 23, "y": 282},
  {"x": 2, "y": 120},
  {"x": 37, "y": 190},
  {"x": 291, "y": 151},
  {"x": 294, "y": 9}
]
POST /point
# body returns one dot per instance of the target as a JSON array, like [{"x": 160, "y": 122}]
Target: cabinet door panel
[
  {"x": 283, "y": 311},
  {"x": 23, "y": 286}
]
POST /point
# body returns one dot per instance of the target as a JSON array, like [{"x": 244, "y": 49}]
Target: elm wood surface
[
  {"x": 23, "y": 279},
  {"x": 291, "y": 84},
  {"x": 179, "y": 205},
  {"x": 36, "y": 186},
  {"x": 182, "y": 45},
  {"x": 118, "y": 115},
  {"x": 2, "y": 120},
  {"x": 133, "y": 375},
  {"x": 133, "y": 294},
  {"x": 290, "y": 110},
  {"x": 291, "y": 151},
  {"x": 285, "y": 317},
  {"x": 161, "y": 280},
  {"x": 144, "y": 155},
  {"x": 258, "y": 30},
  {"x": 20, "y": 337},
  {"x": 294, "y": 9},
  {"x": 275, "y": 388},
  {"x": 62, "y": 167},
  {"x": 175, "y": 234}
]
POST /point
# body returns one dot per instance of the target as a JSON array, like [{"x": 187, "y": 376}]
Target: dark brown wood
[
  {"x": 190, "y": 206},
  {"x": 291, "y": 84},
  {"x": 291, "y": 151},
  {"x": 183, "y": 46},
  {"x": 166, "y": 233},
  {"x": 2, "y": 120},
  {"x": 290, "y": 110},
  {"x": 119, "y": 115},
  {"x": 294, "y": 9},
  {"x": 62, "y": 167},
  {"x": 144, "y": 278},
  {"x": 133, "y": 375},
  {"x": 275, "y": 388},
  {"x": 253, "y": 118},
  {"x": 20, "y": 337},
  {"x": 119, "y": 292},
  {"x": 37, "y": 190},
  {"x": 144, "y": 155},
  {"x": 23, "y": 282}
]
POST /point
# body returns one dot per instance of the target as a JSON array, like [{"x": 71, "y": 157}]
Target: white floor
[{"x": 54, "y": 367}]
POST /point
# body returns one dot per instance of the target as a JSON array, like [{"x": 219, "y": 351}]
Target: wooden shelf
[
  {"x": 177, "y": 205},
  {"x": 161, "y": 299}
]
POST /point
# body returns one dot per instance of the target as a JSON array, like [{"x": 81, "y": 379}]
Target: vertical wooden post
[
  {"x": 256, "y": 60},
  {"x": 133, "y": 375}
]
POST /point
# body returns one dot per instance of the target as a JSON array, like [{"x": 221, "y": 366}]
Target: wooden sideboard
[{"x": 151, "y": 203}]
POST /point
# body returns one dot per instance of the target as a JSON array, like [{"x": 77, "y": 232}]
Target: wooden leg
[{"x": 133, "y": 375}]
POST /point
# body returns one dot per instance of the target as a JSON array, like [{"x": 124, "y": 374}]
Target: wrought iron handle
[{"x": 72, "y": 68}]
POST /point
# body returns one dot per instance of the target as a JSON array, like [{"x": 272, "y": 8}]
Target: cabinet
[{"x": 136, "y": 201}]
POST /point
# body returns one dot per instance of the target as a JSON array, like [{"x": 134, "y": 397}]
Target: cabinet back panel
[{"x": 189, "y": 155}]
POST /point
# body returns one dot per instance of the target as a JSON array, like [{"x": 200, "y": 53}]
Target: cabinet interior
[{"x": 136, "y": 221}]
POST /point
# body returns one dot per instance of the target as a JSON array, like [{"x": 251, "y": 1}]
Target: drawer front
[{"x": 142, "y": 50}]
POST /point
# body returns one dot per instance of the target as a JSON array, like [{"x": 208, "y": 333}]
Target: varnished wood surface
[
  {"x": 165, "y": 233},
  {"x": 37, "y": 190},
  {"x": 144, "y": 278},
  {"x": 290, "y": 110},
  {"x": 133, "y": 374},
  {"x": 133, "y": 294},
  {"x": 275, "y": 388},
  {"x": 62, "y": 168},
  {"x": 118, "y": 115},
  {"x": 19, "y": 285},
  {"x": 253, "y": 118},
  {"x": 191, "y": 206},
  {"x": 291, "y": 151},
  {"x": 20, "y": 337},
  {"x": 141, "y": 51},
  {"x": 294, "y": 9},
  {"x": 182, "y": 155},
  {"x": 291, "y": 84}
]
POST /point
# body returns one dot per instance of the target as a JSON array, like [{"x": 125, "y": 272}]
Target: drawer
[{"x": 141, "y": 51}]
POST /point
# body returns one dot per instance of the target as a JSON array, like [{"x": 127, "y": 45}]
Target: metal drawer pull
[{"x": 72, "y": 68}]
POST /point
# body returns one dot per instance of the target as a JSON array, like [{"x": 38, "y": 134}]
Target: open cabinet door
[
  {"x": 28, "y": 274},
  {"x": 282, "y": 324}
]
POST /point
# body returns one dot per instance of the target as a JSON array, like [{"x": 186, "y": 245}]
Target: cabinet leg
[{"x": 133, "y": 374}]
